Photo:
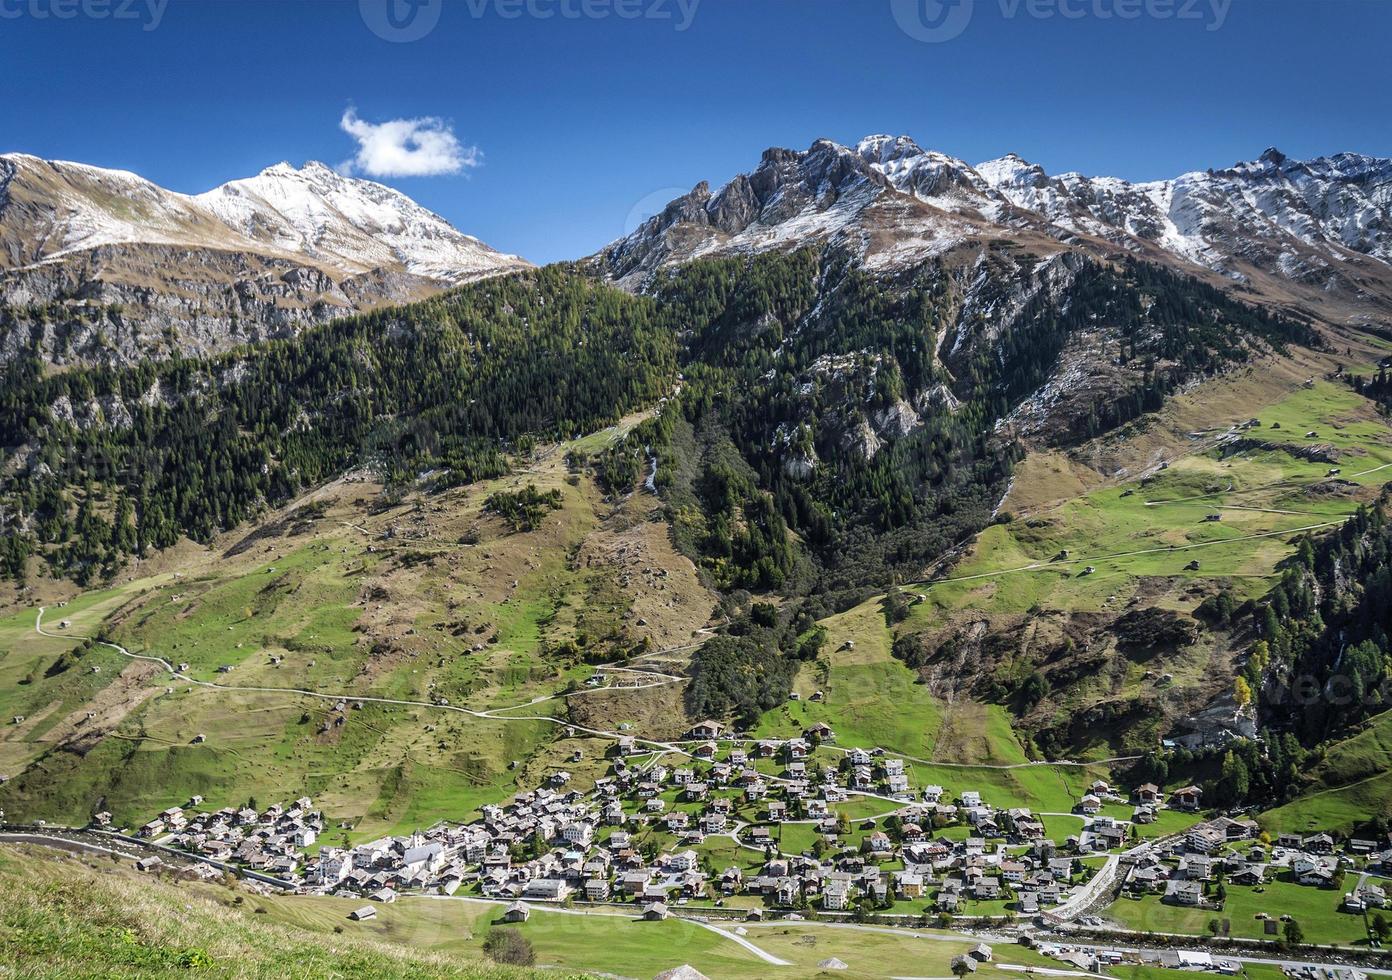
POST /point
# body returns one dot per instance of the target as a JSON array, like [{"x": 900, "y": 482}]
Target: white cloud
[{"x": 424, "y": 147}]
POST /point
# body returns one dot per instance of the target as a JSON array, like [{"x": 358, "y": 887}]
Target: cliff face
[{"x": 104, "y": 306}]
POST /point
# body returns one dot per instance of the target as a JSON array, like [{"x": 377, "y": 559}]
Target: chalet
[
  {"x": 1319, "y": 844},
  {"x": 1147, "y": 793},
  {"x": 1239, "y": 829},
  {"x": 731, "y": 880},
  {"x": 705, "y": 730},
  {"x": 1188, "y": 798},
  {"x": 655, "y": 911},
  {"x": 1146, "y": 879},
  {"x": 821, "y": 731},
  {"x": 1249, "y": 874},
  {"x": 363, "y": 914},
  {"x": 517, "y": 912}
]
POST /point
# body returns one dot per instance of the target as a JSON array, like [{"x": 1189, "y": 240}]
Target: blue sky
[{"x": 580, "y": 117}]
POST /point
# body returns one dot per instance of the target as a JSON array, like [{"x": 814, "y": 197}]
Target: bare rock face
[
  {"x": 105, "y": 266},
  {"x": 1317, "y": 231}
]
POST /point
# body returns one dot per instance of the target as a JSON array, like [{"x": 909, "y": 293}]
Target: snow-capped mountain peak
[
  {"x": 264, "y": 256},
  {"x": 346, "y": 225},
  {"x": 351, "y": 223},
  {"x": 1291, "y": 223}
]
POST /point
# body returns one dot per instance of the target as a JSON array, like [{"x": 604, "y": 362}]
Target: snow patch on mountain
[{"x": 52, "y": 209}]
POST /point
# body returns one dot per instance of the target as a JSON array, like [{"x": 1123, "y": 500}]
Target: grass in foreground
[{"x": 72, "y": 918}]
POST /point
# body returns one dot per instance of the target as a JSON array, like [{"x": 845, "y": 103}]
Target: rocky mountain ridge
[
  {"x": 106, "y": 266},
  {"x": 1314, "y": 235}
]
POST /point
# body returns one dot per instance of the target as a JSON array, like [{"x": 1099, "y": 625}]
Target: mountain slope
[
  {"x": 103, "y": 265},
  {"x": 66, "y": 916},
  {"x": 1315, "y": 235}
]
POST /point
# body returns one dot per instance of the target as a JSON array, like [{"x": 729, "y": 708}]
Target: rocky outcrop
[
  {"x": 1316, "y": 231},
  {"x": 103, "y": 306}
]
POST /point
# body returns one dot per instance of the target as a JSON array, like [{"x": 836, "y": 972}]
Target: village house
[
  {"x": 1188, "y": 798},
  {"x": 1184, "y": 892}
]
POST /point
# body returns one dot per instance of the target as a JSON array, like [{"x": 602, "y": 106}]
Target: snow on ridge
[
  {"x": 344, "y": 223},
  {"x": 1339, "y": 205}
]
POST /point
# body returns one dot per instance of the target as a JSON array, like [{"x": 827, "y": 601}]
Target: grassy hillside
[
  {"x": 1193, "y": 507},
  {"x": 1350, "y": 785},
  {"x": 71, "y": 918},
  {"x": 433, "y": 599}
]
